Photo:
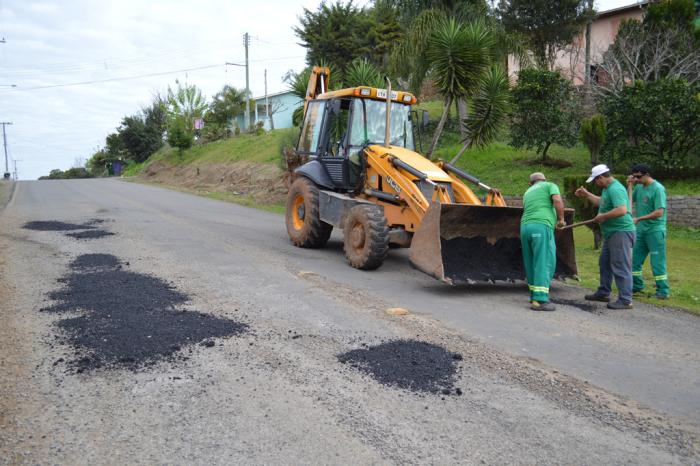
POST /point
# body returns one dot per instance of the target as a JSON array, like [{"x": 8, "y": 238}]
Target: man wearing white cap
[
  {"x": 617, "y": 226},
  {"x": 543, "y": 209}
]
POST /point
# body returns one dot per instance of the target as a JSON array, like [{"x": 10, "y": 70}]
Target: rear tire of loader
[
  {"x": 304, "y": 226},
  {"x": 366, "y": 237}
]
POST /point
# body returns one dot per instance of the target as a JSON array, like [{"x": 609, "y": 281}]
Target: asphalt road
[{"x": 569, "y": 387}]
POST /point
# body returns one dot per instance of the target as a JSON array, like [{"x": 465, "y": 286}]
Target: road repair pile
[
  {"x": 90, "y": 234},
  {"x": 408, "y": 364},
  {"x": 54, "y": 225},
  {"x": 126, "y": 319},
  {"x": 88, "y": 228}
]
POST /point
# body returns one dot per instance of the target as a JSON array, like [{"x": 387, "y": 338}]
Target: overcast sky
[{"x": 51, "y": 46}]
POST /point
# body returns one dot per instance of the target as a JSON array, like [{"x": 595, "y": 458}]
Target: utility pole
[
  {"x": 15, "y": 173},
  {"x": 246, "y": 42},
  {"x": 267, "y": 104},
  {"x": 4, "y": 143}
]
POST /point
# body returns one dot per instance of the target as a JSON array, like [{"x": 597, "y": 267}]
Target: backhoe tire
[
  {"x": 366, "y": 237},
  {"x": 304, "y": 226}
]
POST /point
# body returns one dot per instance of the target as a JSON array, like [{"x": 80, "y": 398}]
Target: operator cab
[{"x": 340, "y": 124}]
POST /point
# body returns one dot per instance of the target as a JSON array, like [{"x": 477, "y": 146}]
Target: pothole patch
[
  {"x": 90, "y": 234},
  {"x": 128, "y": 319},
  {"x": 55, "y": 225},
  {"x": 94, "y": 261},
  {"x": 408, "y": 364}
]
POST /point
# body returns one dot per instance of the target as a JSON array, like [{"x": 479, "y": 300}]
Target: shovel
[{"x": 578, "y": 224}]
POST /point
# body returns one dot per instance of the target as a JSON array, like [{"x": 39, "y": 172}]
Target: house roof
[
  {"x": 274, "y": 94},
  {"x": 623, "y": 9}
]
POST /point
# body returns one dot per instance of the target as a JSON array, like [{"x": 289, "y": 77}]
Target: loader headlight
[
  {"x": 407, "y": 99},
  {"x": 365, "y": 91}
]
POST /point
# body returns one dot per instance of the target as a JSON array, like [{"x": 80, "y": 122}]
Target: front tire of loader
[
  {"x": 304, "y": 226},
  {"x": 366, "y": 237}
]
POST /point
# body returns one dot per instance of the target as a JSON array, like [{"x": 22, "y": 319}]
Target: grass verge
[
  {"x": 683, "y": 255},
  {"x": 4, "y": 192}
]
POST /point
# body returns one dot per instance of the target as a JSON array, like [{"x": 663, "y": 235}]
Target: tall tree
[
  {"x": 665, "y": 45},
  {"x": 457, "y": 55},
  {"x": 336, "y": 34},
  {"x": 544, "y": 111},
  {"x": 548, "y": 25},
  {"x": 187, "y": 102}
]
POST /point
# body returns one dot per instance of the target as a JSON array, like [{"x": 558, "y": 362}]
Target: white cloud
[{"x": 50, "y": 43}]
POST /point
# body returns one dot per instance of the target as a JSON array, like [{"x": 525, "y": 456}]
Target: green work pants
[
  {"x": 652, "y": 244},
  {"x": 540, "y": 258}
]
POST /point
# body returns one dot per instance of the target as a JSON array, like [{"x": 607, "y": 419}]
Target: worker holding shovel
[
  {"x": 617, "y": 226},
  {"x": 543, "y": 209}
]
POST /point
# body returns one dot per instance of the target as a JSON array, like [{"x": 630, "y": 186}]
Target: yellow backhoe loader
[{"x": 363, "y": 175}]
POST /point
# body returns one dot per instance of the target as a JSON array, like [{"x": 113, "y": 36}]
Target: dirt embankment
[{"x": 261, "y": 183}]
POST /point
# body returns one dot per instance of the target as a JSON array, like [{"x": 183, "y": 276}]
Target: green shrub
[
  {"x": 545, "y": 111},
  {"x": 593, "y": 136},
  {"x": 179, "y": 136},
  {"x": 656, "y": 123}
]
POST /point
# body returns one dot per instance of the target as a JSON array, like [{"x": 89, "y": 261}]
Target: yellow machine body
[{"x": 453, "y": 234}]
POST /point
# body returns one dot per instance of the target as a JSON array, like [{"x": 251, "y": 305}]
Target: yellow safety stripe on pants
[
  {"x": 637, "y": 274},
  {"x": 661, "y": 277},
  {"x": 542, "y": 289}
]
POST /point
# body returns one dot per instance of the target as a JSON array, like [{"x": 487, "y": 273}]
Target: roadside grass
[
  {"x": 683, "y": 255},
  {"x": 134, "y": 169},
  {"x": 4, "y": 190},
  {"x": 264, "y": 148}
]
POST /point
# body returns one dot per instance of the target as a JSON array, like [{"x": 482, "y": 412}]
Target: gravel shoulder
[{"x": 277, "y": 393}]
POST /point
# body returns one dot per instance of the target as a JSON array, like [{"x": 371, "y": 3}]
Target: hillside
[
  {"x": 245, "y": 169},
  {"x": 497, "y": 165}
]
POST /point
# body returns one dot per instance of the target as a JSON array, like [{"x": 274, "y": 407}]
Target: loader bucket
[{"x": 459, "y": 243}]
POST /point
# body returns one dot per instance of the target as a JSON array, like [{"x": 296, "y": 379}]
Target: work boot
[
  {"x": 620, "y": 305},
  {"x": 597, "y": 297},
  {"x": 542, "y": 306},
  {"x": 661, "y": 296}
]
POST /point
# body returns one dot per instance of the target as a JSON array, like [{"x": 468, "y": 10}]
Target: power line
[{"x": 123, "y": 78}]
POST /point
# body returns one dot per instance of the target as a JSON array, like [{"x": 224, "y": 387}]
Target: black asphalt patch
[
  {"x": 592, "y": 308},
  {"x": 90, "y": 234},
  {"x": 408, "y": 364},
  {"x": 128, "y": 319},
  {"x": 91, "y": 261},
  {"x": 54, "y": 225}
]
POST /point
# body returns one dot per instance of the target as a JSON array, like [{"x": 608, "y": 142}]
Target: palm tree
[
  {"x": 489, "y": 109},
  {"x": 226, "y": 104},
  {"x": 457, "y": 56},
  {"x": 186, "y": 102},
  {"x": 362, "y": 72}
]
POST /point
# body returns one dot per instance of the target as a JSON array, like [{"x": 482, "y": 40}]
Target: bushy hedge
[{"x": 655, "y": 122}]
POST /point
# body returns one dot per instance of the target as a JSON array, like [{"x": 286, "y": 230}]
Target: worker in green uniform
[
  {"x": 543, "y": 209},
  {"x": 617, "y": 226},
  {"x": 648, "y": 197}
]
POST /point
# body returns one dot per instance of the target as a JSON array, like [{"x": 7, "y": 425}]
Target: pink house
[{"x": 571, "y": 61}]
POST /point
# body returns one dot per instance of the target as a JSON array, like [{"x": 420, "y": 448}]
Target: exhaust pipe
[{"x": 387, "y": 131}]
